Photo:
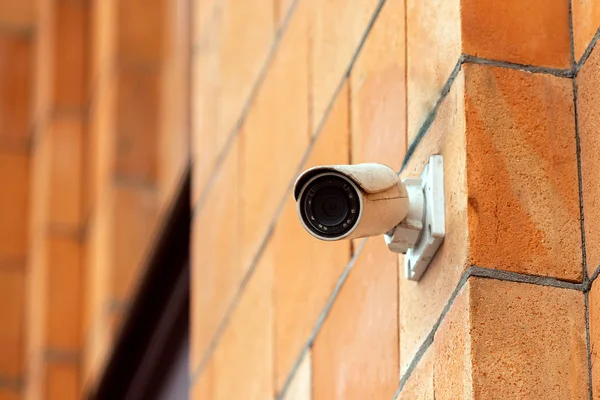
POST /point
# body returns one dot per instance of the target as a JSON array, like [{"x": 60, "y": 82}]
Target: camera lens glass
[{"x": 330, "y": 205}]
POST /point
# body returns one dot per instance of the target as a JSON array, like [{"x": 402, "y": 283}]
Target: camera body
[{"x": 350, "y": 201}]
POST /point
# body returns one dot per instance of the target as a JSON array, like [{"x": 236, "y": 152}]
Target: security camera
[{"x": 352, "y": 201}]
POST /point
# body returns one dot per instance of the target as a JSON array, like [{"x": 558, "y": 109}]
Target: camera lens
[{"x": 330, "y": 205}]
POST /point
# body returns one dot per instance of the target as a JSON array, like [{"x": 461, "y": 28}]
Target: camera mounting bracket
[{"x": 422, "y": 231}]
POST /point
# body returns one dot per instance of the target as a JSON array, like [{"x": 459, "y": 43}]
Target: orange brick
[
  {"x": 104, "y": 39},
  {"x": 244, "y": 354},
  {"x": 378, "y": 90},
  {"x": 419, "y": 385},
  {"x": 12, "y": 304},
  {"x": 452, "y": 352},
  {"x": 14, "y": 186},
  {"x": 301, "y": 385},
  {"x": 433, "y": 44},
  {"x": 588, "y": 114},
  {"x": 140, "y": 30},
  {"x": 63, "y": 278},
  {"x": 8, "y": 394},
  {"x": 586, "y": 22},
  {"x": 62, "y": 382},
  {"x": 16, "y": 74},
  {"x": 522, "y": 172},
  {"x": 71, "y": 24},
  {"x": 66, "y": 159},
  {"x": 216, "y": 270},
  {"x": 535, "y": 32},
  {"x": 19, "y": 14},
  {"x": 137, "y": 124},
  {"x": 336, "y": 31},
  {"x": 245, "y": 36},
  {"x": 307, "y": 269},
  {"x": 355, "y": 354},
  {"x": 429, "y": 296},
  {"x": 594, "y": 321},
  {"x": 275, "y": 137},
  {"x": 135, "y": 216},
  {"x": 528, "y": 341}
]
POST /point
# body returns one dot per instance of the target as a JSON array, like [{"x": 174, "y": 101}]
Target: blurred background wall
[{"x": 105, "y": 104}]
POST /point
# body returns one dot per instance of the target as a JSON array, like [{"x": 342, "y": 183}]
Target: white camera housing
[{"x": 337, "y": 202}]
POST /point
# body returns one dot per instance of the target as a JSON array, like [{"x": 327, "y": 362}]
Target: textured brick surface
[
  {"x": 420, "y": 383},
  {"x": 245, "y": 352},
  {"x": 63, "y": 280},
  {"x": 379, "y": 91},
  {"x": 433, "y": 41},
  {"x": 15, "y": 86},
  {"x": 423, "y": 302},
  {"x": 215, "y": 256},
  {"x": 307, "y": 269},
  {"x": 528, "y": 342},
  {"x": 65, "y": 143},
  {"x": 301, "y": 386},
  {"x": 12, "y": 304},
  {"x": 522, "y": 172},
  {"x": 276, "y": 130},
  {"x": 355, "y": 355},
  {"x": 140, "y": 30},
  {"x": 534, "y": 32},
  {"x": 586, "y": 21},
  {"x": 62, "y": 382},
  {"x": 452, "y": 365},
  {"x": 336, "y": 31},
  {"x": 14, "y": 175},
  {"x": 589, "y": 112},
  {"x": 17, "y": 15},
  {"x": 594, "y": 319}
]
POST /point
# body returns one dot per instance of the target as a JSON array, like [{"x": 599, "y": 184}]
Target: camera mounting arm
[{"x": 422, "y": 231}]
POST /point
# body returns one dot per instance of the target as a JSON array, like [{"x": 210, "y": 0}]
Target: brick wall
[
  {"x": 97, "y": 102},
  {"x": 505, "y": 91}
]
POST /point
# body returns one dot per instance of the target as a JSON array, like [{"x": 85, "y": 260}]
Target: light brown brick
[
  {"x": 588, "y": 114},
  {"x": 378, "y": 87},
  {"x": 244, "y": 354},
  {"x": 535, "y": 32},
  {"x": 301, "y": 385},
  {"x": 12, "y": 304},
  {"x": 419, "y": 385},
  {"x": 65, "y": 140},
  {"x": 135, "y": 216},
  {"x": 62, "y": 382},
  {"x": 16, "y": 73},
  {"x": 215, "y": 245},
  {"x": 282, "y": 9},
  {"x": 245, "y": 37},
  {"x": 355, "y": 354},
  {"x": 307, "y": 269},
  {"x": 137, "y": 124},
  {"x": 72, "y": 30},
  {"x": 522, "y": 172},
  {"x": 528, "y": 341},
  {"x": 422, "y": 303},
  {"x": 433, "y": 42},
  {"x": 452, "y": 352},
  {"x": 586, "y": 21},
  {"x": 64, "y": 296},
  {"x": 140, "y": 30},
  {"x": 202, "y": 385},
  {"x": 275, "y": 137},
  {"x": 336, "y": 31},
  {"x": 14, "y": 184}
]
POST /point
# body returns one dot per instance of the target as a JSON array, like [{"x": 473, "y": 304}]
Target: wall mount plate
[{"x": 427, "y": 206}]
